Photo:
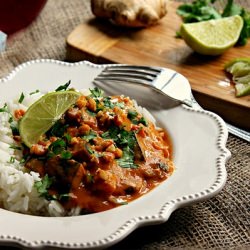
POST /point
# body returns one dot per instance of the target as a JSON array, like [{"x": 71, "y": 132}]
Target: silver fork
[{"x": 159, "y": 79}]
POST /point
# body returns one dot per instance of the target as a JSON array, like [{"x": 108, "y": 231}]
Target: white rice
[{"x": 17, "y": 191}]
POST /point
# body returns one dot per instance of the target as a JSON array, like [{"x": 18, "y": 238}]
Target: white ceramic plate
[{"x": 198, "y": 137}]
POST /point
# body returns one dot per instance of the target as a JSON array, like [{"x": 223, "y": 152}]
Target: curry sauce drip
[{"x": 100, "y": 154}]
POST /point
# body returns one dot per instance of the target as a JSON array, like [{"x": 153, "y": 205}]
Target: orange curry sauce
[{"x": 102, "y": 153}]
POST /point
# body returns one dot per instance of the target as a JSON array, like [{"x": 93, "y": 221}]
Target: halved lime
[
  {"x": 240, "y": 70},
  {"x": 43, "y": 114},
  {"x": 212, "y": 37}
]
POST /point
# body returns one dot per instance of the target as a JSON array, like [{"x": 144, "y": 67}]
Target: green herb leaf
[
  {"x": 91, "y": 113},
  {"x": 14, "y": 128},
  {"x": 63, "y": 87},
  {"x": 143, "y": 121},
  {"x": 34, "y": 92},
  {"x": 22, "y": 161},
  {"x": 245, "y": 32},
  {"x": 132, "y": 114},
  {"x": 57, "y": 146},
  {"x": 21, "y": 98},
  {"x": 43, "y": 185},
  {"x": 127, "y": 160},
  {"x": 58, "y": 129},
  {"x": 197, "y": 11},
  {"x": 4, "y": 109},
  {"x": 163, "y": 166},
  {"x": 107, "y": 102},
  {"x": 121, "y": 105},
  {"x": 92, "y": 151},
  {"x": 12, "y": 159},
  {"x": 90, "y": 177},
  {"x": 231, "y": 9},
  {"x": 67, "y": 138},
  {"x": 126, "y": 141},
  {"x": 92, "y": 134},
  {"x": 15, "y": 147},
  {"x": 96, "y": 92},
  {"x": 89, "y": 149},
  {"x": 11, "y": 119},
  {"x": 66, "y": 155}
]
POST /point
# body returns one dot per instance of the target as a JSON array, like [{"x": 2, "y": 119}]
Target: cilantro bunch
[{"x": 203, "y": 10}]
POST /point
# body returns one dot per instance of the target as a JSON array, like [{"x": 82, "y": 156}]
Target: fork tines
[{"x": 139, "y": 74}]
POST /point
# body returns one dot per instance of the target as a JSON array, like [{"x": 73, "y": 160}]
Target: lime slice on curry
[{"x": 43, "y": 114}]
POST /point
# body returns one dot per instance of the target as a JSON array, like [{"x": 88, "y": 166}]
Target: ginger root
[{"x": 130, "y": 13}]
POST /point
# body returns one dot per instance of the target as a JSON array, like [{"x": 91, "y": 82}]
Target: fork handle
[{"x": 231, "y": 128}]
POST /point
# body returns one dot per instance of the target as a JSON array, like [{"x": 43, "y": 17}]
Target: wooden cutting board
[{"x": 101, "y": 42}]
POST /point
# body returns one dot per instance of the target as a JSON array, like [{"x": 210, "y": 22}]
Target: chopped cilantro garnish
[
  {"x": 91, "y": 113},
  {"x": 58, "y": 129},
  {"x": 96, "y": 92},
  {"x": 15, "y": 147},
  {"x": 107, "y": 103},
  {"x": 92, "y": 134},
  {"x": 4, "y": 109},
  {"x": 163, "y": 166},
  {"x": 92, "y": 151},
  {"x": 143, "y": 121},
  {"x": 67, "y": 138},
  {"x": 106, "y": 135},
  {"x": 89, "y": 149},
  {"x": 14, "y": 127},
  {"x": 132, "y": 114},
  {"x": 22, "y": 161},
  {"x": 34, "y": 92},
  {"x": 63, "y": 87},
  {"x": 121, "y": 105},
  {"x": 127, "y": 160},
  {"x": 126, "y": 141},
  {"x": 57, "y": 146},
  {"x": 43, "y": 185},
  {"x": 66, "y": 155},
  {"x": 11, "y": 119},
  {"x": 12, "y": 159},
  {"x": 21, "y": 98},
  {"x": 90, "y": 177}
]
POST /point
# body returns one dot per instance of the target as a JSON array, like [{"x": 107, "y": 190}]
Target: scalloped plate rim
[{"x": 130, "y": 225}]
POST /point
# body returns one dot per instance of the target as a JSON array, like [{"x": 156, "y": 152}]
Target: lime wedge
[
  {"x": 242, "y": 89},
  {"x": 239, "y": 68},
  {"x": 212, "y": 37},
  {"x": 43, "y": 114}
]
